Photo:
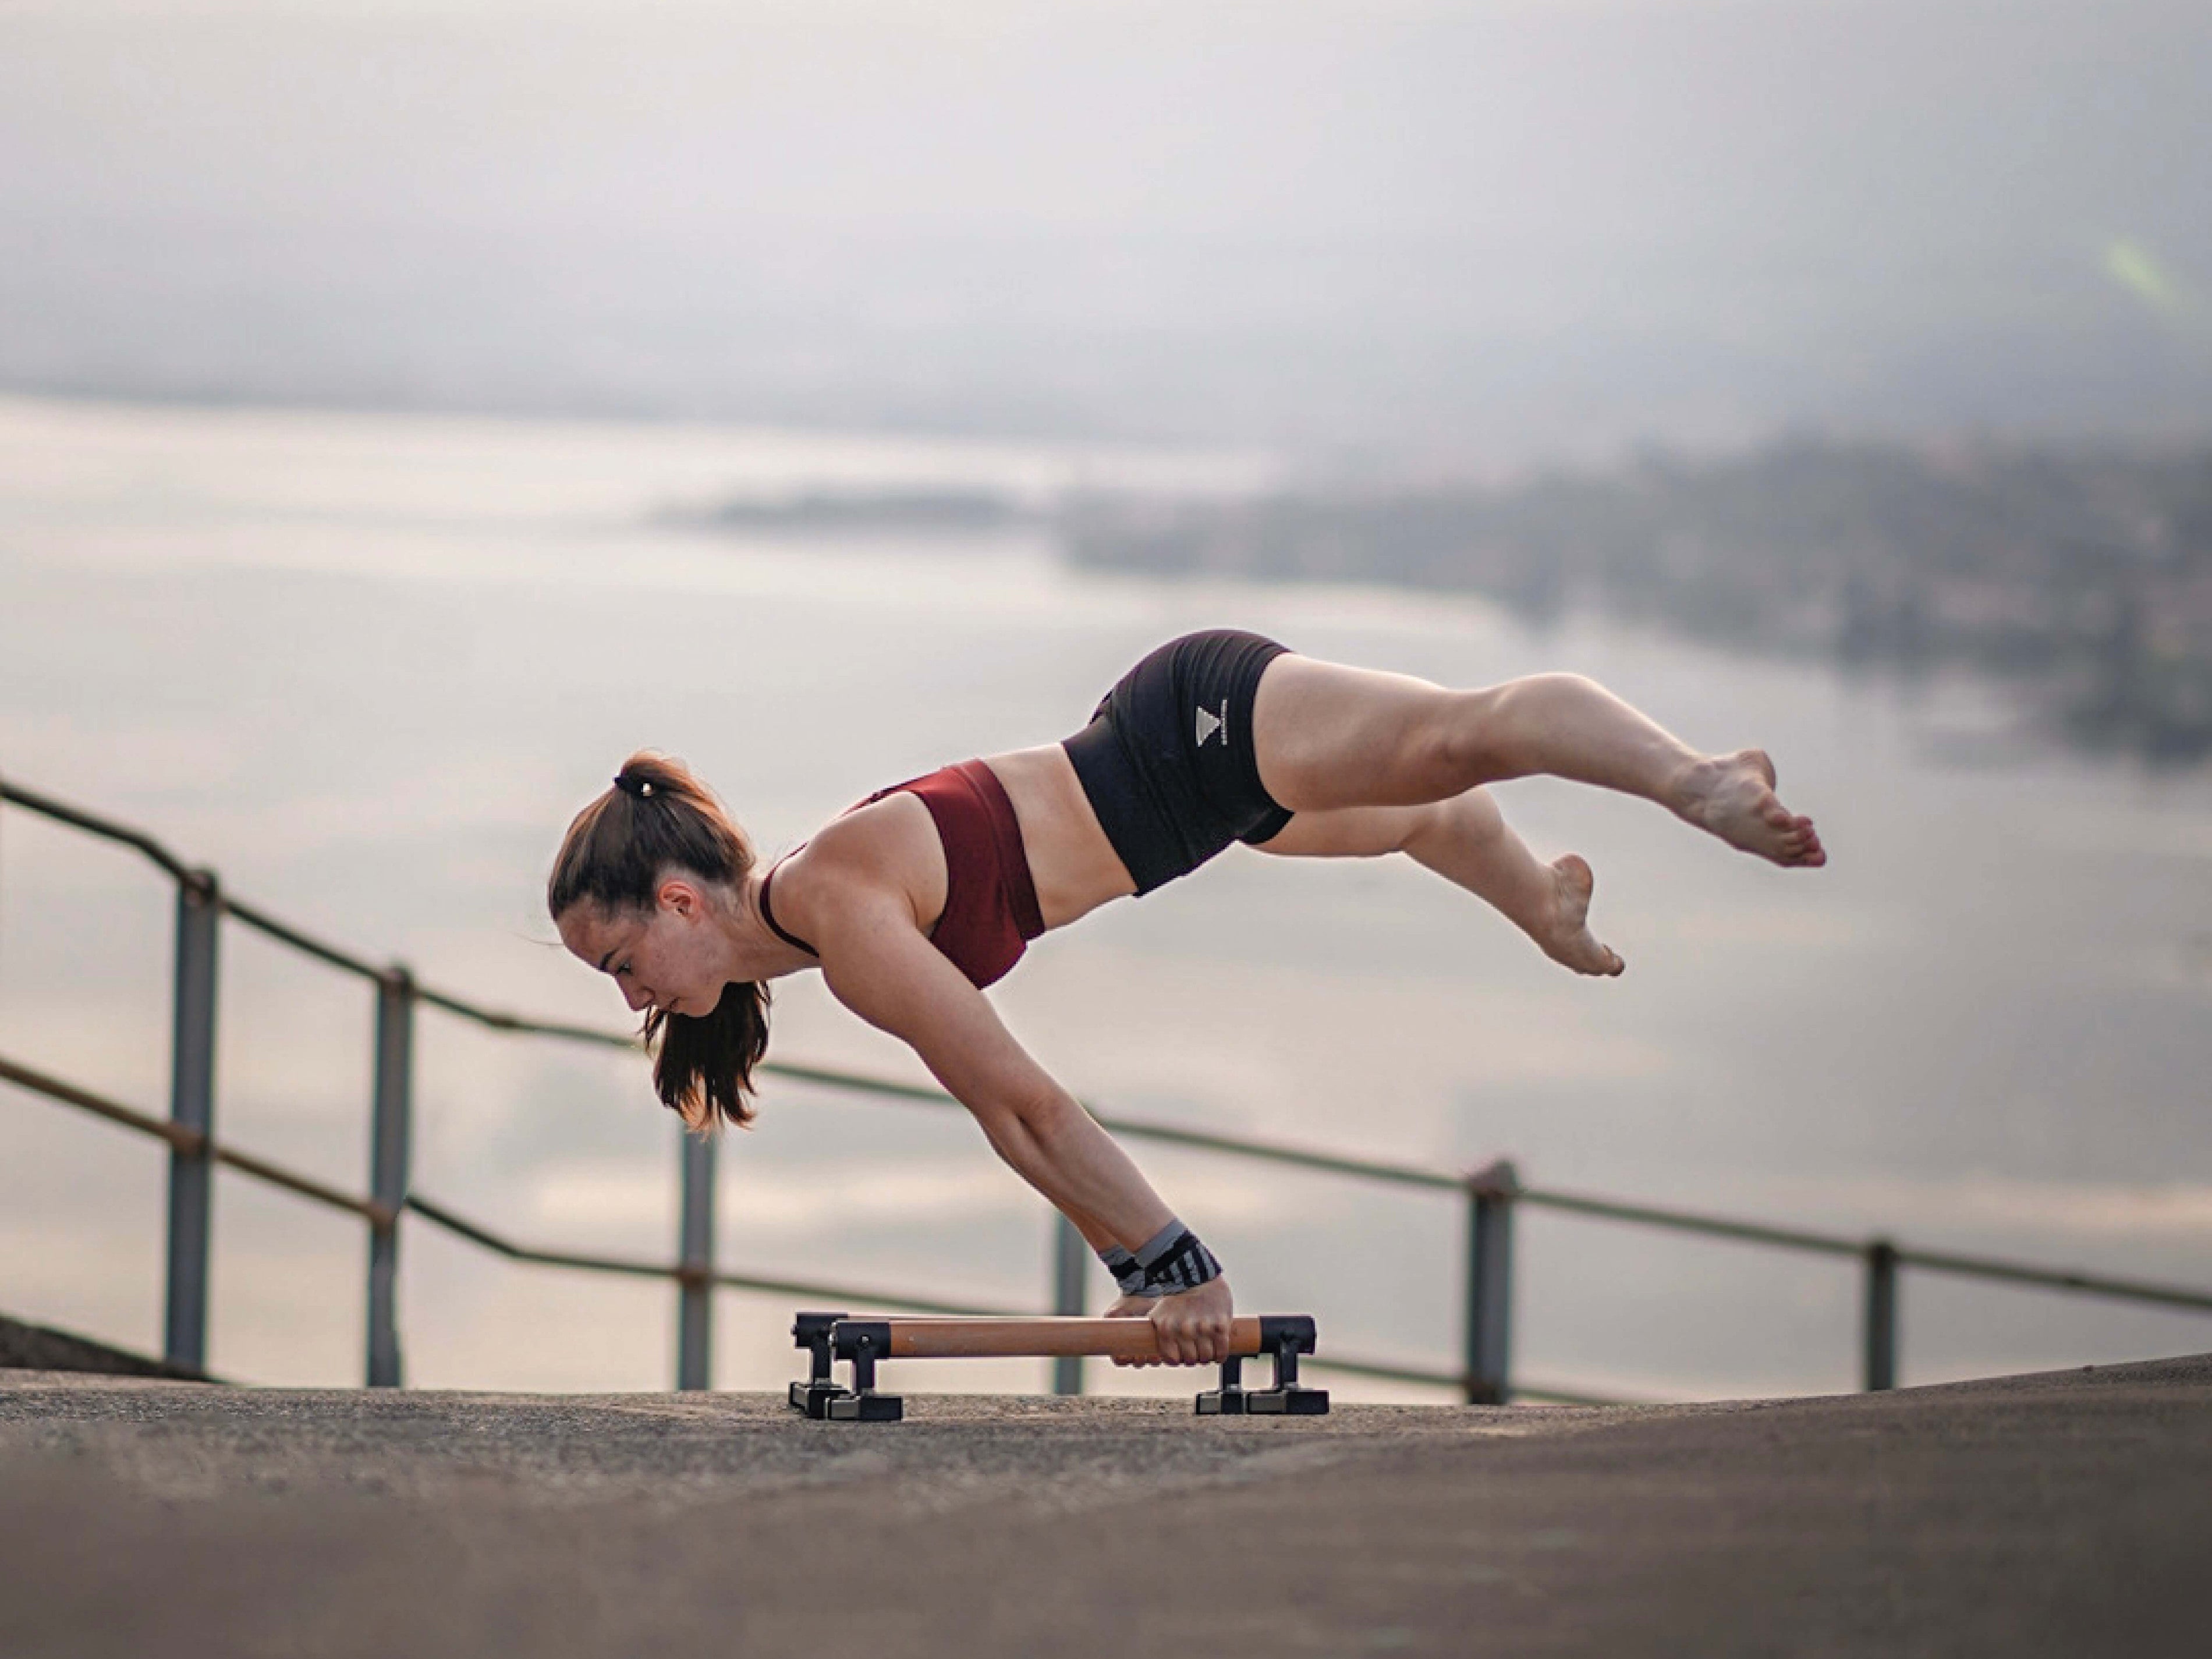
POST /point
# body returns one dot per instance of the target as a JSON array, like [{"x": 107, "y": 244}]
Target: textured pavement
[{"x": 2065, "y": 1514}]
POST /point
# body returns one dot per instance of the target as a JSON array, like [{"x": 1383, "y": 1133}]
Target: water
[{"x": 367, "y": 666}]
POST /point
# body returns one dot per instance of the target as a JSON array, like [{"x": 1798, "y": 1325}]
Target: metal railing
[{"x": 1491, "y": 1194}]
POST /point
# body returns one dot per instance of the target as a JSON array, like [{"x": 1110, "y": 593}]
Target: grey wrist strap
[
  {"x": 1128, "y": 1272},
  {"x": 1175, "y": 1260}
]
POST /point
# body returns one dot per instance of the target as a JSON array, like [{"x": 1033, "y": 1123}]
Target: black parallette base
[
  {"x": 1283, "y": 1338},
  {"x": 1293, "y": 1401},
  {"x": 812, "y": 1399},
  {"x": 812, "y": 1395},
  {"x": 869, "y": 1407}
]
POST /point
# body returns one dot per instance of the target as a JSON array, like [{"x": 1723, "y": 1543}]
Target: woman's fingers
[
  {"x": 1193, "y": 1327},
  {"x": 1132, "y": 1307}
]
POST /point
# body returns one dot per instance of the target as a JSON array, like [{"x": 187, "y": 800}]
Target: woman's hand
[
  {"x": 1199, "y": 1320},
  {"x": 1133, "y": 1307},
  {"x": 1192, "y": 1327}
]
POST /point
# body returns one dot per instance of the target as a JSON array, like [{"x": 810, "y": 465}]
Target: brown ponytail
[{"x": 617, "y": 849}]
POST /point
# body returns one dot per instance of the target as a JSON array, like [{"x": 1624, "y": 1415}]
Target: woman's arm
[{"x": 878, "y": 963}]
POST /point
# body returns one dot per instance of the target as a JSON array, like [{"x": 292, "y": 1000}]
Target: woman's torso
[
  {"x": 894, "y": 838},
  {"x": 1163, "y": 777},
  {"x": 1072, "y": 864}
]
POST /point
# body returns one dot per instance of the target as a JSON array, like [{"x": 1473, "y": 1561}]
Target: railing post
[
  {"x": 389, "y": 1140},
  {"x": 1880, "y": 1314},
  {"x": 1487, "y": 1332},
  {"x": 191, "y": 1106},
  {"x": 1071, "y": 1261},
  {"x": 694, "y": 1324}
]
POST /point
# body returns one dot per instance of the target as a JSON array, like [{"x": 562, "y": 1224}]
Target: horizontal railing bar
[
  {"x": 262, "y": 922},
  {"x": 247, "y": 1163},
  {"x": 2054, "y": 1278},
  {"x": 462, "y": 1227},
  {"x": 47, "y": 806},
  {"x": 1649, "y": 1215},
  {"x": 1369, "y": 1168},
  {"x": 1604, "y": 1209},
  {"x": 919, "y": 1094},
  {"x": 521, "y": 1026},
  {"x": 846, "y": 1296},
  {"x": 84, "y": 1100},
  {"x": 253, "y": 916},
  {"x": 1386, "y": 1370},
  {"x": 476, "y": 1234},
  {"x": 2133, "y": 1290},
  {"x": 1333, "y": 1162},
  {"x": 192, "y": 1141},
  {"x": 479, "y": 1235}
]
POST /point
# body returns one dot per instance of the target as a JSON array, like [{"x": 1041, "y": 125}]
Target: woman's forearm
[{"x": 1059, "y": 1150}]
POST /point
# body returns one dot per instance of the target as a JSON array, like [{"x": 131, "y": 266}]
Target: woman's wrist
[
  {"x": 1128, "y": 1272},
  {"x": 1174, "y": 1260}
]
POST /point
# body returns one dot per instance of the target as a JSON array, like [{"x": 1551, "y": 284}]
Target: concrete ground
[{"x": 2067, "y": 1513}]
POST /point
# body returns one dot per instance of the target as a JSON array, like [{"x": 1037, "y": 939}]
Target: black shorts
[{"x": 1167, "y": 761}]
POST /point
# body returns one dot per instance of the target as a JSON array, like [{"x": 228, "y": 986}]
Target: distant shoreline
[{"x": 2084, "y": 579}]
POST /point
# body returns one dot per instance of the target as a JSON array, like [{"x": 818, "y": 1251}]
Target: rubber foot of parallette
[
  {"x": 1264, "y": 1402},
  {"x": 812, "y": 1399},
  {"x": 849, "y": 1407}
]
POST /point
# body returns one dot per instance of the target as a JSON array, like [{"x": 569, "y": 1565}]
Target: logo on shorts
[{"x": 1209, "y": 723}]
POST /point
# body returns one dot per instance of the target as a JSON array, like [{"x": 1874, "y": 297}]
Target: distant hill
[{"x": 2084, "y": 578}]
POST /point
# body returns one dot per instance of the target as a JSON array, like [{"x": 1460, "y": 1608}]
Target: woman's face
[{"x": 667, "y": 957}]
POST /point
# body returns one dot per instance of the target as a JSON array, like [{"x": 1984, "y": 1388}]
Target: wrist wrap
[
  {"x": 1175, "y": 1260},
  {"x": 1128, "y": 1275}
]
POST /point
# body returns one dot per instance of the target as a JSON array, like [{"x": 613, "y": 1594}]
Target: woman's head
[{"x": 645, "y": 878}]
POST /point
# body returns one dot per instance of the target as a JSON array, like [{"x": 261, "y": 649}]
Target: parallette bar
[
  {"x": 862, "y": 1342},
  {"x": 1011, "y": 1338}
]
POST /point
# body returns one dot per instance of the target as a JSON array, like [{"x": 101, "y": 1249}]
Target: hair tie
[{"x": 639, "y": 788}]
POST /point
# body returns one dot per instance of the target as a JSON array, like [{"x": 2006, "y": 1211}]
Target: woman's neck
[{"x": 757, "y": 951}]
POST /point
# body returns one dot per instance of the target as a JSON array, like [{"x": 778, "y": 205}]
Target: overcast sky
[{"x": 1352, "y": 227}]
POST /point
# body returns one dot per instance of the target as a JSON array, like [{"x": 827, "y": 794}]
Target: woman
[{"x": 918, "y": 897}]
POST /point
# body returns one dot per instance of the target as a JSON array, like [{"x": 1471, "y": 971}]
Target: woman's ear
[{"x": 680, "y": 895}]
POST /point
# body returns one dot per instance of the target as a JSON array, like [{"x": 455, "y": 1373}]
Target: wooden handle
[{"x": 1004, "y": 1339}]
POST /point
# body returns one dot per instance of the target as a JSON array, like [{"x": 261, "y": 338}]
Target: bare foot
[
  {"x": 1733, "y": 796},
  {"x": 1568, "y": 938}
]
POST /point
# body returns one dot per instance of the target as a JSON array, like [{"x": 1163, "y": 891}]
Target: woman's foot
[
  {"x": 1733, "y": 796},
  {"x": 1566, "y": 938}
]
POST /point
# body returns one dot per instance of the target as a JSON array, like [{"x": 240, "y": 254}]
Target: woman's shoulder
[{"x": 882, "y": 849}]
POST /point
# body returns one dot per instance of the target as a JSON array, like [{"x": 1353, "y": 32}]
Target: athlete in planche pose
[{"x": 914, "y": 900}]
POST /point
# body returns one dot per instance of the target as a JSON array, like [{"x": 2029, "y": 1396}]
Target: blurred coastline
[
  {"x": 367, "y": 664},
  {"x": 2082, "y": 581}
]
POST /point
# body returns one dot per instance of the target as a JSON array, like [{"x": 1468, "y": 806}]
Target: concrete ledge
[{"x": 2062, "y": 1515}]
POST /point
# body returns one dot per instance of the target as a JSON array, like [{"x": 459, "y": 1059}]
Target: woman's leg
[
  {"x": 1468, "y": 844},
  {"x": 1329, "y": 737}
]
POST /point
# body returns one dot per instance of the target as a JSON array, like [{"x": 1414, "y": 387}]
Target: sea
[{"x": 367, "y": 665}]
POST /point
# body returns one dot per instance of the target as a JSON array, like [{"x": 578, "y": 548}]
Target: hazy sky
[{"x": 1336, "y": 224}]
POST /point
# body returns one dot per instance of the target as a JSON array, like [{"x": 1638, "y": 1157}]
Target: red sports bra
[{"x": 990, "y": 903}]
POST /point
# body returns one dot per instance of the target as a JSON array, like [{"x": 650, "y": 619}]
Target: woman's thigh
[
  {"x": 1328, "y": 736},
  {"x": 1349, "y": 832}
]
